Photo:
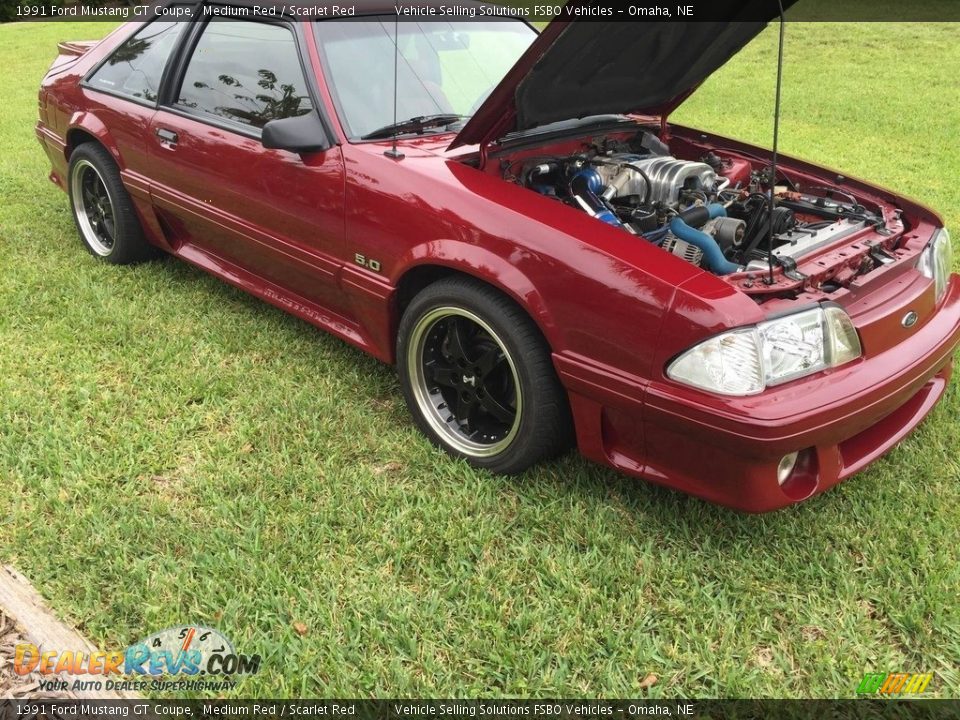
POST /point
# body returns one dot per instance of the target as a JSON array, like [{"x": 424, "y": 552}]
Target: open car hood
[{"x": 577, "y": 69}]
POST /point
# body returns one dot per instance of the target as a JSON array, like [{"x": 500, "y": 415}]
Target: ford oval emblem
[{"x": 910, "y": 319}]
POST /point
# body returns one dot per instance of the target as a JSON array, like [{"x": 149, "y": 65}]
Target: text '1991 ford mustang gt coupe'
[{"x": 510, "y": 219}]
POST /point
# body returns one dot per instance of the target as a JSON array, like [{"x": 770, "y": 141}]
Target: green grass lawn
[{"x": 173, "y": 451}]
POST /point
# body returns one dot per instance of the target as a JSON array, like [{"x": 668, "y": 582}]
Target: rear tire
[
  {"x": 478, "y": 379},
  {"x": 102, "y": 208}
]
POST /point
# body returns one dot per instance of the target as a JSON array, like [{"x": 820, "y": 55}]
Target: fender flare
[
  {"x": 498, "y": 272},
  {"x": 92, "y": 125}
]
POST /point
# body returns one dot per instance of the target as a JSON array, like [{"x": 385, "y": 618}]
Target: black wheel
[
  {"x": 102, "y": 208},
  {"x": 477, "y": 376}
]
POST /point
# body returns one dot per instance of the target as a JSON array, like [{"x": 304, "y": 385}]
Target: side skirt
[{"x": 269, "y": 292}]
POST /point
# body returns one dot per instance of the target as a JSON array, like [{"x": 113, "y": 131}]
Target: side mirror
[{"x": 303, "y": 133}]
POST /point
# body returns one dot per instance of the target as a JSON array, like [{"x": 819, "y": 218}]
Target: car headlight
[
  {"x": 935, "y": 262},
  {"x": 748, "y": 360}
]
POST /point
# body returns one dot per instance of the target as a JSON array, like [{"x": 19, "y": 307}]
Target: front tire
[
  {"x": 102, "y": 208},
  {"x": 477, "y": 376}
]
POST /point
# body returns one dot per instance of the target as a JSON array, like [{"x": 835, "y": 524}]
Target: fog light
[{"x": 787, "y": 463}]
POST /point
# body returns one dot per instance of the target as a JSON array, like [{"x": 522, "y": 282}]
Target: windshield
[{"x": 443, "y": 67}]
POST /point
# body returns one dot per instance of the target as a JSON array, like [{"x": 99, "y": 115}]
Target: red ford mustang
[{"x": 511, "y": 220}]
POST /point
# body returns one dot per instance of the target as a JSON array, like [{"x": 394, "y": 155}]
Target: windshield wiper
[{"x": 414, "y": 125}]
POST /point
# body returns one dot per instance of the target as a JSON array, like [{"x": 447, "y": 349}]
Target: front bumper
[{"x": 841, "y": 421}]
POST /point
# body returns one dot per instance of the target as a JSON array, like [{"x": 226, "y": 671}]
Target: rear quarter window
[{"x": 135, "y": 68}]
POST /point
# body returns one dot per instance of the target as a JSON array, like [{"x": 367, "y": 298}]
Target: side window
[
  {"x": 135, "y": 68},
  {"x": 245, "y": 72}
]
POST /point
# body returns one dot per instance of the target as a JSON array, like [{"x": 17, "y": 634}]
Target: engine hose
[
  {"x": 584, "y": 186},
  {"x": 685, "y": 226}
]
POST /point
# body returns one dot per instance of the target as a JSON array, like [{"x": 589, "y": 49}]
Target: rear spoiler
[
  {"x": 68, "y": 52},
  {"x": 75, "y": 48}
]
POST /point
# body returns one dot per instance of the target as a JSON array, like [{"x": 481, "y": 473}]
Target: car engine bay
[{"x": 713, "y": 212}]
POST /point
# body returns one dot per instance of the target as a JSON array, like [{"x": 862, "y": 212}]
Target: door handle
[{"x": 167, "y": 135}]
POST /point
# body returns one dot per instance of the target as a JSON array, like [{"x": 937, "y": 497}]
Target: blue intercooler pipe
[
  {"x": 586, "y": 185},
  {"x": 685, "y": 226}
]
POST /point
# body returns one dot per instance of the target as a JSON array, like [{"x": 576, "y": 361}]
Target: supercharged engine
[{"x": 713, "y": 212}]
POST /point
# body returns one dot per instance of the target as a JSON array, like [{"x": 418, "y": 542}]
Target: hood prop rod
[
  {"x": 776, "y": 137},
  {"x": 393, "y": 152}
]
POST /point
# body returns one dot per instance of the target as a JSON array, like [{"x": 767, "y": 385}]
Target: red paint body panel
[
  {"x": 281, "y": 214},
  {"x": 614, "y": 309}
]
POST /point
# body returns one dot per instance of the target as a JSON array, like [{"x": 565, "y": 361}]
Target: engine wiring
[{"x": 711, "y": 212}]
